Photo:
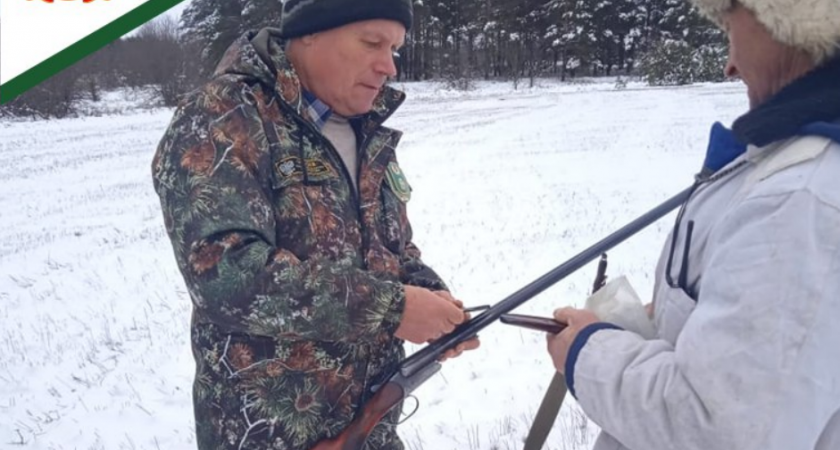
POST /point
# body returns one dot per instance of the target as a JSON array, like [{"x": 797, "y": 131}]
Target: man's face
[
  {"x": 346, "y": 67},
  {"x": 756, "y": 57}
]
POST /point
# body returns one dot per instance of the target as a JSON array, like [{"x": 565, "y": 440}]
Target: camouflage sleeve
[
  {"x": 210, "y": 172},
  {"x": 415, "y": 272}
]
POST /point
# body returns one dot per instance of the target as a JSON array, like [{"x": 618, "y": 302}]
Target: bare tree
[
  {"x": 157, "y": 56},
  {"x": 53, "y": 98}
]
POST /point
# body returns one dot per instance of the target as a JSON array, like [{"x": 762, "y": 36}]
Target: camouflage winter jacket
[{"x": 296, "y": 279}]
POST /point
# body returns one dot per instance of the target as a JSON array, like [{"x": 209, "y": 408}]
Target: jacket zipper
[
  {"x": 355, "y": 193},
  {"x": 345, "y": 172}
]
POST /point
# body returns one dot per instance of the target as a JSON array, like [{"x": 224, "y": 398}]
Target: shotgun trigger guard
[{"x": 416, "y": 408}]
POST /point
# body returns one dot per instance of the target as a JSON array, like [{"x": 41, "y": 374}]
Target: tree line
[{"x": 661, "y": 41}]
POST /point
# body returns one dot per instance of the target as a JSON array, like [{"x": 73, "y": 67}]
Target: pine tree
[
  {"x": 215, "y": 24},
  {"x": 684, "y": 46}
]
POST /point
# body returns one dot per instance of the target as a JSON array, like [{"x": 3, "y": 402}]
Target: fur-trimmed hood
[{"x": 810, "y": 25}]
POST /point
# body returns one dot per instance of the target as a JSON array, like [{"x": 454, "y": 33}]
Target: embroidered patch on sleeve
[
  {"x": 398, "y": 183},
  {"x": 287, "y": 171},
  {"x": 319, "y": 170}
]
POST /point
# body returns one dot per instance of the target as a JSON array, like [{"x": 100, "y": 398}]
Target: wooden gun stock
[
  {"x": 546, "y": 324},
  {"x": 388, "y": 395},
  {"x": 353, "y": 437}
]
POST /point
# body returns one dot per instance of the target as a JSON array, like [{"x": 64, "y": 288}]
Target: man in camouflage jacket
[{"x": 304, "y": 278}]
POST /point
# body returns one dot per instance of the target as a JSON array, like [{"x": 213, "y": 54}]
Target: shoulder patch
[
  {"x": 397, "y": 181},
  {"x": 287, "y": 171},
  {"x": 318, "y": 169}
]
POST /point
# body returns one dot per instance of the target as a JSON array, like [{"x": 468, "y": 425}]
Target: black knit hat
[{"x": 302, "y": 17}]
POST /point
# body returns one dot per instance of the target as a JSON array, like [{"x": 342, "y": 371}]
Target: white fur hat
[{"x": 810, "y": 25}]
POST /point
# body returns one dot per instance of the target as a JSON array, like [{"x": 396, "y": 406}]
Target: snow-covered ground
[{"x": 507, "y": 184}]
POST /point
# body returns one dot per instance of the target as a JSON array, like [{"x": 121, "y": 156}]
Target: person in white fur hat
[{"x": 747, "y": 295}]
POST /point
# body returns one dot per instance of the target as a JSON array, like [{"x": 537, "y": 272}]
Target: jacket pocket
[
  {"x": 672, "y": 310},
  {"x": 313, "y": 209},
  {"x": 306, "y": 390}
]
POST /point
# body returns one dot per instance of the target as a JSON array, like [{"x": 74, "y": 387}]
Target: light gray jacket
[{"x": 754, "y": 361}]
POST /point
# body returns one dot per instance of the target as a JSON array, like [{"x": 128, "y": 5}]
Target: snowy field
[{"x": 94, "y": 349}]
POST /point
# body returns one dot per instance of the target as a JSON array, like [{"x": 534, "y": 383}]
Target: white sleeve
[{"x": 757, "y": 365}]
